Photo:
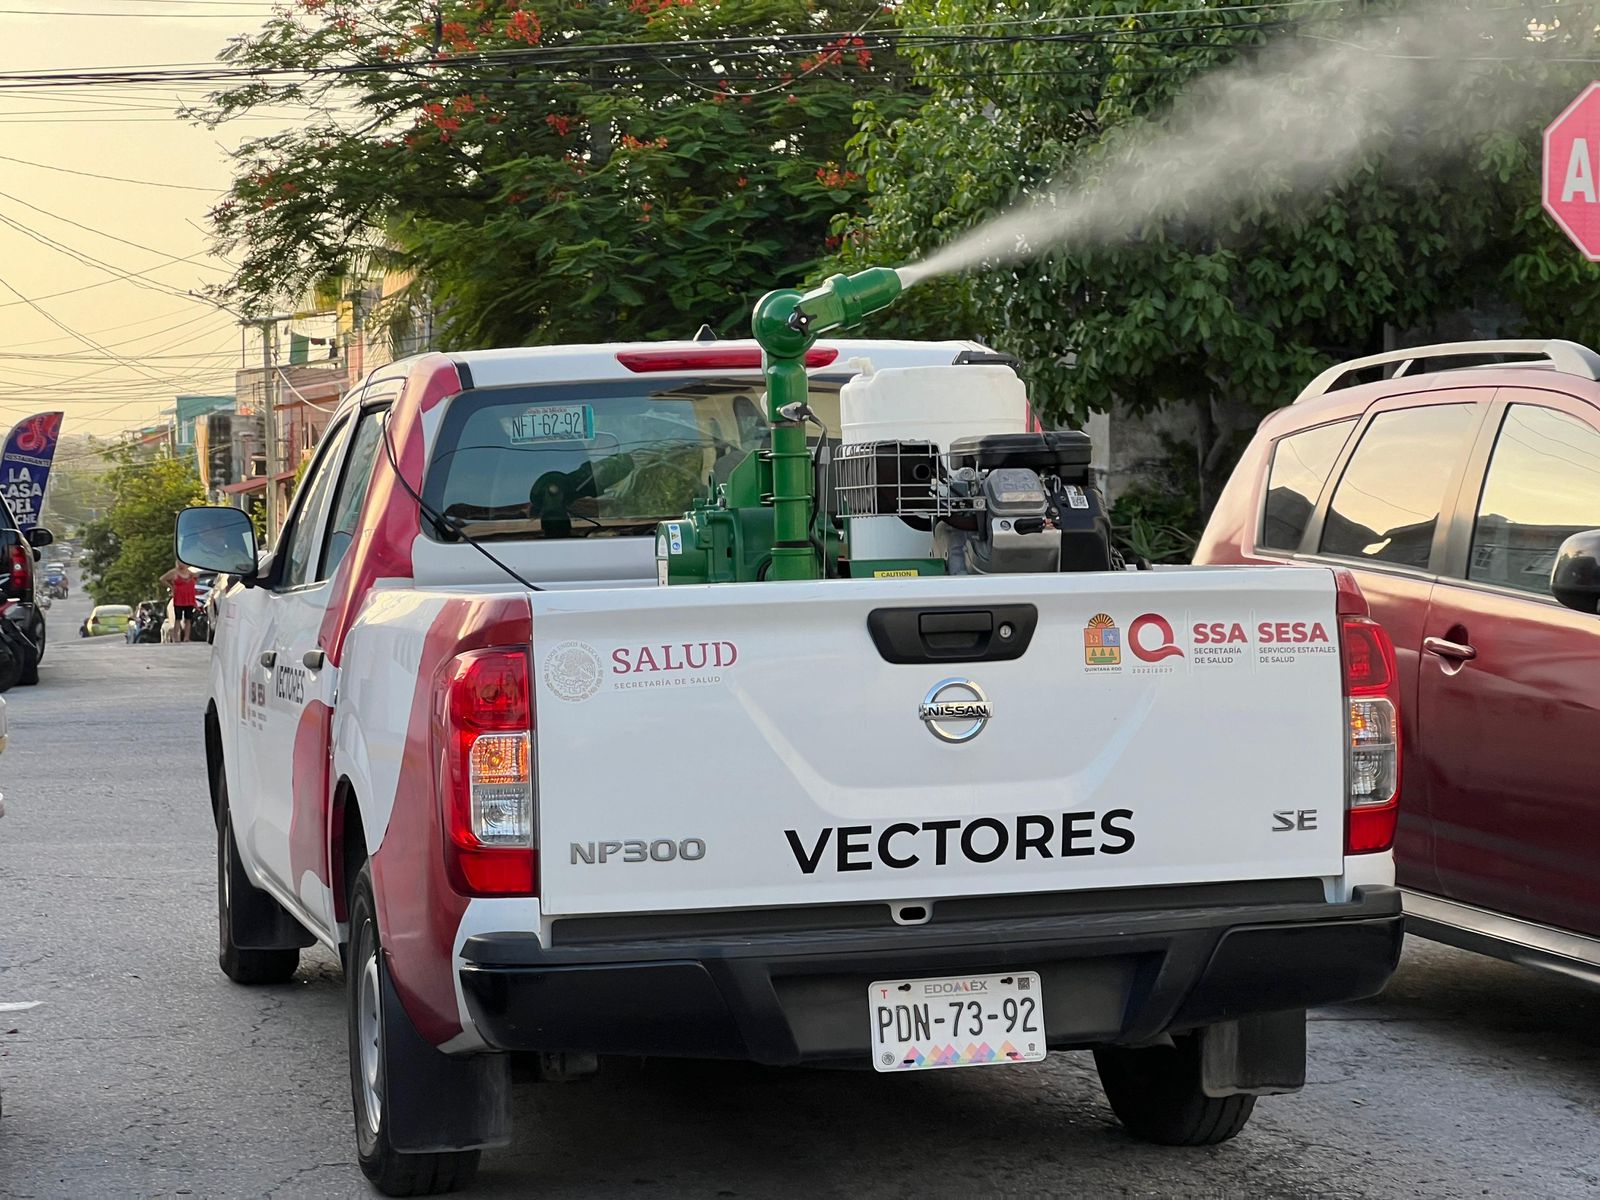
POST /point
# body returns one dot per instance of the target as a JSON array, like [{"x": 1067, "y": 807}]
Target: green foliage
[
  {"x": 128, "y": 551},
  {"x": 1225, "y": 313},
  {"x": 1156, "y": 525},
  {"x": 78, "y": 492},
  {"x": 580, "y": 198}
]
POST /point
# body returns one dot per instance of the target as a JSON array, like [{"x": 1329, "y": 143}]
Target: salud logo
[
  {"x": 1102, "y": 642},
  {"x": 573, "y": 671}
]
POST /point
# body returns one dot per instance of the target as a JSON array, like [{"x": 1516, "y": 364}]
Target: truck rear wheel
[
  {"x": 1157, "y": 1096},
  {"x": 30, "y": 669},
  {"x": 391, "y": 1171},
  {"x": 238, "y": 963}
]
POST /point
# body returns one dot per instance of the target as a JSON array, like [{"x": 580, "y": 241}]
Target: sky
[{"x": 114, "y": 353}]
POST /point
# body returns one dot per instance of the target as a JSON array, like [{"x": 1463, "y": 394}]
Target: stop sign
[{"x": 1572, "y": 171}]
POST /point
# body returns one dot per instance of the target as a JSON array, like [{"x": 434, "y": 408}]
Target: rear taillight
[
  {"x": 486, "y": 728},
  {"x": 19, "y": 570},
  {"x": 1372, "y": 755}
]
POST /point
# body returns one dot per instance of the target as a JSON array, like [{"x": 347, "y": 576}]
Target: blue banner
[{"x": 25, "y": 466}]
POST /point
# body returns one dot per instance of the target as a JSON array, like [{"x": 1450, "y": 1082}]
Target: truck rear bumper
[{"x": 793, "y": 996}]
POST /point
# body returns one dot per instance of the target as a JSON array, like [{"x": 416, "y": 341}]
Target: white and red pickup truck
[{"x": 599, "y": 816}]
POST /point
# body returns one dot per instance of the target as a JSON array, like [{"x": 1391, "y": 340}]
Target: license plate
[
  {"x": 960, "y": 1021},
  {"x": 554, "y": 423}
]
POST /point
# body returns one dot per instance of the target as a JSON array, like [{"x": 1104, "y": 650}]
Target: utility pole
[{"x": 269, "y": 334}]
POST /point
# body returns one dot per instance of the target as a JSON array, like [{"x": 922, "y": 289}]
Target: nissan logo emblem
[{"x": 955, "y": 710}]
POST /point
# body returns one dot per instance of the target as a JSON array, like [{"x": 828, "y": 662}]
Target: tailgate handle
[
  {"x": 955, "y": 631},
  {"x": 981, "y": 621},
  {"x": 994, "y": 633}
]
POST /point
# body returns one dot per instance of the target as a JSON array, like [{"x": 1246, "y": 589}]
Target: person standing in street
[{"x": 181, "y": 580}]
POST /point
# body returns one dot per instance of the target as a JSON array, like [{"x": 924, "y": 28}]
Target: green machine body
[{"x": 762, "y": 522}]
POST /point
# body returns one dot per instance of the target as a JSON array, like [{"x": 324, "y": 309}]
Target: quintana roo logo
[
  {"x": 573, "y": 671},
  {"x": 1102, "y": 642}
]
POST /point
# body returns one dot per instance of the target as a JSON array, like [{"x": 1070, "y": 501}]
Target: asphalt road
[{"x": 146, "y": 1073}]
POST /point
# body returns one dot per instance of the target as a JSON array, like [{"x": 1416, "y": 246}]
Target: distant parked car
[
  {"x": 107, "y": 618},
  {"x": 1464, "y": 493}
]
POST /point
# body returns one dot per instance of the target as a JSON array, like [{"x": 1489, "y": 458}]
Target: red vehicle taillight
[
  {"x": 1372, "y": 756},
  {"x": 19, "y": 568},
  {"x": 485, "y": 722}
]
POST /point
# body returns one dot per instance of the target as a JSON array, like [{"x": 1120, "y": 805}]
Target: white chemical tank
[{"x": 923, "y": 404}]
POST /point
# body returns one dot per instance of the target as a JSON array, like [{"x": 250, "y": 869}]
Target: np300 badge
[{"x": 955, "y": 710}]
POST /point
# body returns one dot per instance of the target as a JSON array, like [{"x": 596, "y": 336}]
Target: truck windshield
[{"x": 596, "y": 459}]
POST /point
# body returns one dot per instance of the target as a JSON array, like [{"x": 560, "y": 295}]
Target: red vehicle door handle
[{"x": 1447, "y": 649}]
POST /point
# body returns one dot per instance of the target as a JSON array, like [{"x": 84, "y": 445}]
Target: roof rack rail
[{"x": 1570, "y": 358}]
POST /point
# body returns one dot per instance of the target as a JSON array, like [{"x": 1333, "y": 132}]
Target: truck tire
[
  {"x": 392, "y": 1172},
  {"x": 242, "y": 964},
  {"x": 1156, "y": 1094},
  {"x": 30, "y": 669}
]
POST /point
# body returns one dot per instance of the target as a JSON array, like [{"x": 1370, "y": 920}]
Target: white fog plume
[{"x": 1293, "y": 119}]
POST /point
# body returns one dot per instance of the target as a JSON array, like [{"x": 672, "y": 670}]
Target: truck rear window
[{"x": 596, "y": 459}]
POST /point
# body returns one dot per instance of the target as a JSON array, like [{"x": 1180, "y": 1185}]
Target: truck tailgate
[{"x": 750, "y": 745}]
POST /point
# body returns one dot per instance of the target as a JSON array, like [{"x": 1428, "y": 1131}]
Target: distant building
[
  {"x": 152, "y": 441},
  {"x": 379, "y": 324},
  {"x": 306, "y": 395},
  {"x": 187, "y": 412}
]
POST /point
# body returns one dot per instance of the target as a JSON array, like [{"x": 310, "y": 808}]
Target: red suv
[{"x": 1464, "y": 492}]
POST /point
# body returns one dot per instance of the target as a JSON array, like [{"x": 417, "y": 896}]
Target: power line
[
  {"x": 778, "y": 44},
  {"x": 71, "y": 390},
  {"x": 148, "y": 16},
  {"x": 102, "y": 233},
  {"x": 109, "y": 329},
  {"x": 65, "y": 328},
  {"x": 90, "y": 261},
  {"x": 118, "y": 276}
]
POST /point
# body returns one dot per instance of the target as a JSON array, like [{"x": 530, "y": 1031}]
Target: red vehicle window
[
  {"x": 1387, "y": 504},
  {"x": 1300, "y": 466},
  {"x": 1543, "y": 486}
]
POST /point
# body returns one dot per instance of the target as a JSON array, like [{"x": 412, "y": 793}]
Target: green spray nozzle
[
  {"x": 844, "y": 300},
  {"x": 786, "y": 322}
]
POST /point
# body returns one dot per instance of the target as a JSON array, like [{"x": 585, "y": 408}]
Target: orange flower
[{"x": 524, "y": 27}]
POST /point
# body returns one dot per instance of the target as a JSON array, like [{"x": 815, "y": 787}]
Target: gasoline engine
[{"x": 936, "y": 471}]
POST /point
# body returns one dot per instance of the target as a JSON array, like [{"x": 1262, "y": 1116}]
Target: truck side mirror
[
  {"x": 214, "y": 538},
  {"x": 1575, "y": 578},
  {"x": 39, "y": 537}
]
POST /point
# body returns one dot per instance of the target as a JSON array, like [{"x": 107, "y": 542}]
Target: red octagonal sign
[{"x": 1572, "y": 171}]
